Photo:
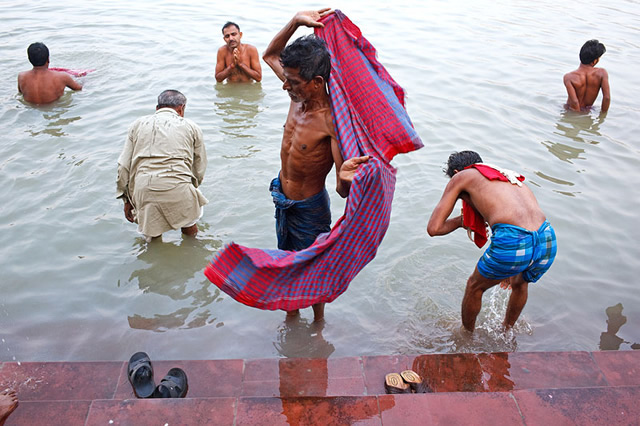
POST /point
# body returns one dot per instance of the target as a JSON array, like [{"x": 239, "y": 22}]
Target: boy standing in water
[
  {"x": 584, "y": 83},
  {"x": 41, "y": 85}
]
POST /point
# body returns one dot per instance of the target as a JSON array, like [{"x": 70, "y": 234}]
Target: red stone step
[{"x": 498, "y": 388}]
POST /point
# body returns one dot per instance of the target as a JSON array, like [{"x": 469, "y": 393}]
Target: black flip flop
[
  {"x": 140, "y": 374},
  {"x": 174, "y": 385}
]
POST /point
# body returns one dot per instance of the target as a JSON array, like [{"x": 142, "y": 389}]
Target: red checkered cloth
[{"x": 370, "y": 119}]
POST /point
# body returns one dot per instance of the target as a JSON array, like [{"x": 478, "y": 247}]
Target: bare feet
[
  {"x": 8, "y": 403},
  {"x": 191, "y": 231},
  {"x": 291, "y": 314},
  {"x": 318, "y": 312}
]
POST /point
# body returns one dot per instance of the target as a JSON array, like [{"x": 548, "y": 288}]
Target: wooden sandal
[
  {"x": 414, "y": 380},
  {"x": 393, "y": 383}
]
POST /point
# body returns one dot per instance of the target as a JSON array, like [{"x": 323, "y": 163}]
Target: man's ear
[{"x": 318, "y": 81}]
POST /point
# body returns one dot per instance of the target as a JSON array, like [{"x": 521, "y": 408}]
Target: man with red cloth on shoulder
[{"x": 523, "y": 243}]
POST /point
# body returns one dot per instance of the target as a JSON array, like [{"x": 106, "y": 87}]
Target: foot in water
[{"x": 8, "y": 403}]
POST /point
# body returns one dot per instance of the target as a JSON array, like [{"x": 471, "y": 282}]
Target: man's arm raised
[{"x": 307, "y": 18}]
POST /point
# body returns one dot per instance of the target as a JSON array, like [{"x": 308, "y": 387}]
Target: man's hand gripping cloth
[
  {"x": 370, "y": 119},
  {"x": 471, "y": 219}
]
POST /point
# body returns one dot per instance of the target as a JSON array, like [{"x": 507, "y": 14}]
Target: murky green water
[{"x": 78, "y": 283}]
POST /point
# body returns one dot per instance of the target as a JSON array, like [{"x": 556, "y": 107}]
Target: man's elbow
[
  {"x": 343, "y": 190},
  {"x": 432, "y": 229},
  {"x": 269, "y": 59}
]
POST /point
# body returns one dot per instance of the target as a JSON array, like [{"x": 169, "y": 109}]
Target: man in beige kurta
[{"x": 161, "y": 166}]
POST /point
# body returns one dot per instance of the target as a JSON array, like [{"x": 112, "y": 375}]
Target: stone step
[
  {"x": 577, "y": 406},
  {"x": 516, "y": 386}
]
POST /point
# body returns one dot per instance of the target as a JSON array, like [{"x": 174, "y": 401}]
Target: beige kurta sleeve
[
  {"x": 199, "y": 156},
  {"x": 124, "y": 166}
]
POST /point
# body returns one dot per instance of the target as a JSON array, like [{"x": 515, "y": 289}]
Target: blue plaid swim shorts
[{"x": 514, "y": 249}]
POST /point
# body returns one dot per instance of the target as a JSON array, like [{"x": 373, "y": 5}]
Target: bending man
[
  {"x": 523, "y": 243},
  {"x": 161, "y": 166}
]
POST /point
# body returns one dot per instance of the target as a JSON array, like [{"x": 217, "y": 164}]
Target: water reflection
[
  {"x": 174, "y": 270},
  {"x": 298, "y": 338},
  {"x": 53, "y": 114},
  {"x": 486, "y": 372},
  {"x": 577, "y": 127},
  {"x": 238, "y": 105},
  {"x": 609, "y": 341}
]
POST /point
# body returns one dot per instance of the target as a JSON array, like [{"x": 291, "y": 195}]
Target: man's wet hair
[
  {"x": 171, "y": 99},
  {"x": 38, "y": 54},
  {"x": 591, "y": 51},
  {"x": 229, "y": 24},
  {"x": 310, "y": 55},
  {"x": 459, "y": 160}
]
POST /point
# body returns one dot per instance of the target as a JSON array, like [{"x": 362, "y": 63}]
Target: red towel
[{"x": 75, "y": 73}]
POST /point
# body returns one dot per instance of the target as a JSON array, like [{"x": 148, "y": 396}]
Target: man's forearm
[
  {"x": 250, "y": 72},
  {"x": 272, "y": 55},
  {"x": 222, "y": 75},
  {"x": 447, "y": 226}
]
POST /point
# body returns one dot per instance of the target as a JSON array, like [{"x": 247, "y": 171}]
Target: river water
[{"x": 78, "y": 282}]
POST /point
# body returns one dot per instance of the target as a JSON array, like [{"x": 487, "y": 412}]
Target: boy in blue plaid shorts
[{"x": 523, "y": 243}]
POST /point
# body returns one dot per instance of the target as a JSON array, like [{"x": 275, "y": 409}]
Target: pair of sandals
[
  {"x": 406, "y": 382},
  {"x": 140, "y": 373}
]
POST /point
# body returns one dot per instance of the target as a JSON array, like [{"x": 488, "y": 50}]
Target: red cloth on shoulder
[{"x": 473, "y": 220}]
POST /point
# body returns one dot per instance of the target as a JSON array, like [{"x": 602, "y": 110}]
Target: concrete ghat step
[{"x": 510, "y": 388}]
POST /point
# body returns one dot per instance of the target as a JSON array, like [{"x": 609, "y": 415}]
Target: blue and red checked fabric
[{"x": 370, "y": 119}]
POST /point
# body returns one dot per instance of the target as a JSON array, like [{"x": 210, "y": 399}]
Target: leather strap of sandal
[
  {"x": 174, "y": 389},
  {"x": 137, "y": 365}
]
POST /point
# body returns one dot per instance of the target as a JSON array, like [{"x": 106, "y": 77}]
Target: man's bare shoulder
[
  {"x": 328, "y": 120},
  {"x": 250, "y": 48},
  {"x": 572, "y": 75},
  {"x": 601, "y": 72}
]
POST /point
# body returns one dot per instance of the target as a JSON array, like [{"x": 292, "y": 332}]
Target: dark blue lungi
[{"x": 299, "y": 222}]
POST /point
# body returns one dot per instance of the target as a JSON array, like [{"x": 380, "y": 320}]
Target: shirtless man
[
  {"x": 584, "y": 83},
  {"x": 309, "y": 146},
  {"x": 237, "y": 62},
  {"x": 523, "y": 243},
  {"x": 40, "y": 85}
]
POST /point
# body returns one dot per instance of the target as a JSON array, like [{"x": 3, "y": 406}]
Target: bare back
[
  {"x": 43, "y": 86},
  {"x": 583, "y": 86},
  {"x": 500, "y": 202},
  {"x": 306, "y": 153}
]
